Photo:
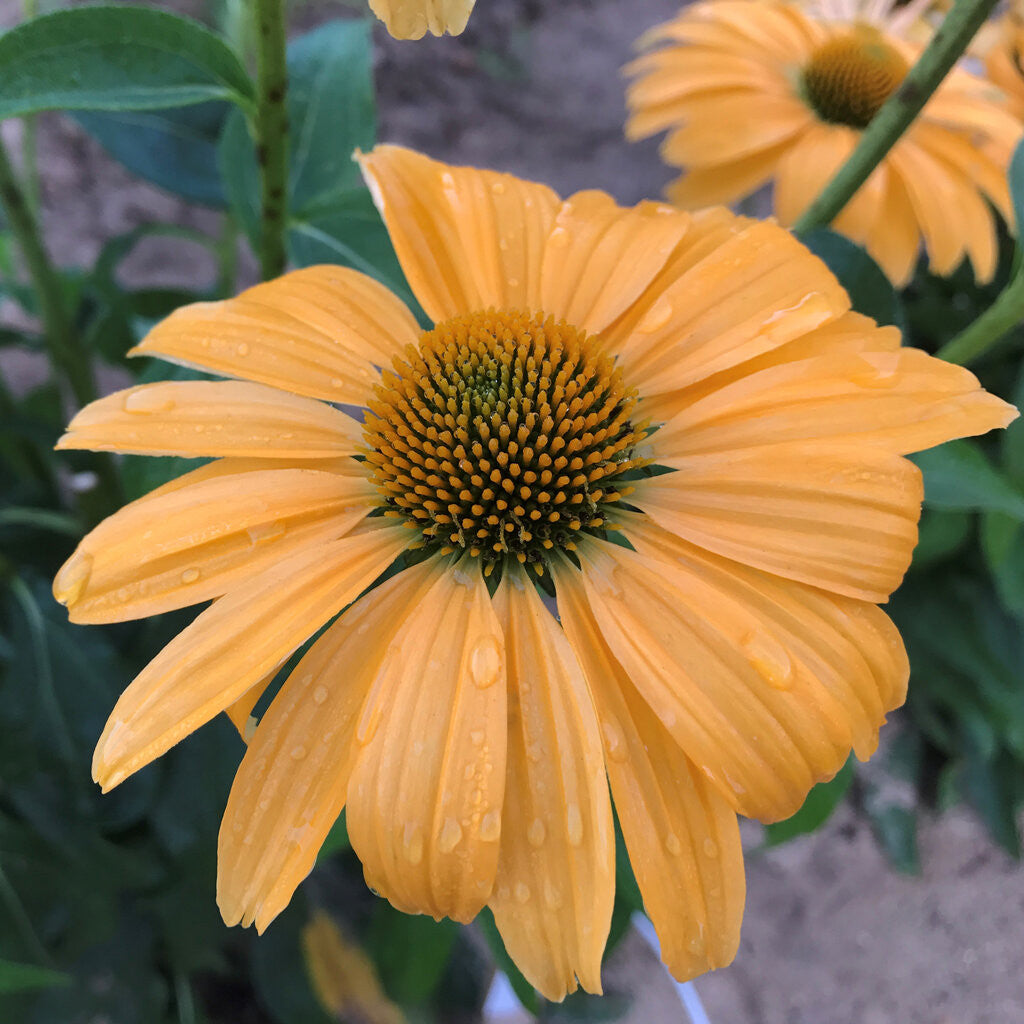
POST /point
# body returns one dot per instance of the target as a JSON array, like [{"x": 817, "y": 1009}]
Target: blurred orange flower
[
  {"x": 759, "y": 93},
  {"x": 413, "y": 19},
  {"x": 670, "y": 424}
]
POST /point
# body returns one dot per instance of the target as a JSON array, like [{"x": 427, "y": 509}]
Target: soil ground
[{"x": 832, "y": 934}]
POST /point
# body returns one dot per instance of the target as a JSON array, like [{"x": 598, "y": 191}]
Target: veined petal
[
  {"x": 681, "y": 833},
  {"x": 199, "y": 419},
  {"x": 895, "y": 238},
  {"x": 600, "y": 257},
  {"x": 317, "y": 332},
  {"x": 174, "y": 549},
  {"x": 425, "y": 796},
  {"x": 903, "y": 401},
  {"x": 555, "y": 886},
  {"x": 292, "y": 783},
  {"x": 412, "y": 19},
  {"x": 468, "y": 240},
  {"x": 233, "y": 645},
  {"x": 240, "y": 712},
  {"x": 761, "y": 682},
  {"x": 842, "y": 517},
  {"x": 723, "y": 183},
  {"x": 733, "y": 289}
]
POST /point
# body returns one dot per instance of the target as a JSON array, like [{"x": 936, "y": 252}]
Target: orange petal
[
  {"x": 682, "y": 835},
  {"x": 842, "y": 517},
  {"x": 468, "y": 240},
  {"x": 425, "y": 797},
  {"x": 317, "y": 332},
  {"x": 555, "y": 887},
  {"x": 198, "y": 419},
  {"x": 412, "y": 19},
  {"x": 733, "y": 289},
  {"x": 902, "y": 401},
  {"x": 600, "y": 257},
  {"x": 234, "y": 644},
  {"x": 241, "y": 711},
  {"x": 291, "y": 784},
  {"x": 725, "y": 183},
  {"x": 177, "y": 548},
  {"x": 895, "y": 238},
  {"x": 761, "y": 682}
]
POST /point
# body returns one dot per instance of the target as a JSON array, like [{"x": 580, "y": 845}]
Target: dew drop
[
  {"x": 614, "y": 743},
  {"x": 298, "y": 753},
  {"x": 337, "y": 382},
  {"x": 559, "y": 238},
  {"x": 490, "y": 827},
  {"x": 242, "y": 349},
  {"x": 450, "y": 837},
  {"x": 73, "y": 578},
  {"x": 368, "y": 722},
  {"x": 533, "y": 752},
  {"x": 536, "y": 833},
  {"x": 320, "y": 695},
  {"x": 522, "y": 892},
  {"x": 261, "y": 532},
  {"x": 147, "y": 400},
  {"x": 656, "y": 317},
  {"x": 574, "y": 824},
  {"x": 769, "y": 658},
  {"x": 673, "y": 845},
  {"x": 190, "y": 575},
  {"x": 485, "y": 662},
  {"x": 476, "y": 737},
  {"x": 498, "y": 188},
  {"x": 412, "y": 843},
  {"x": 552, "y": 896},
  {"x": 710, "y": 848}
]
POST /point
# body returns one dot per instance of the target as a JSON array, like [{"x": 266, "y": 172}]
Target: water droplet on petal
[
  {"x": 242, "y": 349},
  {"x": 450, "y": 837},
  {"x": 368, "y": 722},
  {"x": 261, "y": 532},
  {"x": 536, "y": 833},
  {"x": 614, "y": 743},
  {"x": 490, "y": 827},
  {"x": 769, "y": 658},
  {"x": 552, "y": 896},
  {"x": 298, "y": 753},
  {"x": 320, "y": 695},
  {"x": 710, "y": 848},
  {"x": 147, "y": 400},
  {"x": 190, "y": 575},
  {"x": 485, "y": 662},
  {"x": 673, "y": 845},
  {"x": 656, "y": 317},
  {"x": 522, "y": 892},
  {"x": 574, "y": 824},
  {"x": 73, "y": 578},
  {"x": 559, "y": 238},
  {"x": 412, "y": 843},
  {"x": 477, "y": 737},
  {"x": 498, "y": 188}
]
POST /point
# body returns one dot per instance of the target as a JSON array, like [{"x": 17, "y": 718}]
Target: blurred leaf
[
  {"x": 240, "y": 176},
  {"x": 821, "y": 801},
  {"x": 337, "y": 839},
  {"x": 958, "y": 475},
  {"x": 991, "y": 784},
  {"x": 115, "y": 58},
  {"x": 1002, "y": 541},
  {"x": 25, "y": 977},
  {"x": 627, "y": 893},
  {"x": 869, "y": 289},
  {"x": 175, "y": 149},
  {"x": 896, "y": 830},
  {"x": 940, "y": 534},
  {"x": 410, "y": 951},
  {"x": 1012, "y": 438},
  {"x": 1015, "y": 176},
  {"x": 524, "y": 991}
]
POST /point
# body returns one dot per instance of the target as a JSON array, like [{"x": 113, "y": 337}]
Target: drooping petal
[
  {"x": 681, "y": 833},
  {"x": 895, "y": 239},
  {"x": 412, "y": 19},
  {"x": 700, "y": 187},
  {"x": 202, "y": 419},
  {"x": 600, "y": 257},
  {"x": 903, "y": 401},
  {"x": 178, "y": 548},
  {"x": 553, "y": 894},
  {"x": 292, "y": 783},
  {"x": 467, "y": 239},
  {"x": 240, "y": 712},
  {"x": 762, "y": 682},
  {"x": 733, "y": 289},
  {"x": 425, "y": 796},
  {"x": 842, "y": 517},
  {"x": 234, "y": 644},
  {"x": 317, "y": 332}
]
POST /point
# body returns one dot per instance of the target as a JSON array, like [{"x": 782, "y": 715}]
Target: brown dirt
[{"x": 832, "y": 935}]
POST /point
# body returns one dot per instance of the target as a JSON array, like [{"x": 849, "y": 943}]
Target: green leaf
[
  {"x": 958, "y": 475},
  {"x": 410, "y": 951},
  {"x": 1016, "y": 179},
  {"x": 896, "y": 830},
  {"x": 175, "y": 149},
  {"x": 870, "y": 290},
  {"x": 940, "y": 535},
  {"x": 1002, "y": 541},
  {"x": 26, "y": 977},
  {"x": 1012, "y": 438},
  {"x": 116, "y": 58},
  {"x": 337, "y": 839},
  {"x": 821, "y": 801}
]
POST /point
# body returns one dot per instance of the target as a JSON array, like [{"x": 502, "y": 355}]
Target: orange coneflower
[
  {"x": 759, "y": 93},
  {"x": 1003, "y": 58},
  {"x": 671, "y": 422},
  {"x": 413, "y": 19}
]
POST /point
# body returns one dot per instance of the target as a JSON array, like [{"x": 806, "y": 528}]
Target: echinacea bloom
[
  {"x": 413, "y": 19},
  {"x": 758, "y": 93},
  {"x": 1003, "y": 59},
  {"x": 717, "y": 650}
]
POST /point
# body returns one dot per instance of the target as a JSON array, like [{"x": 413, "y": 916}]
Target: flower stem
[
  {"x": 948, "y": 43},
  {"x": 61, "y": 338},
  {"x": 271, "y": 133},
  {"x": 1002, "y": 316}
]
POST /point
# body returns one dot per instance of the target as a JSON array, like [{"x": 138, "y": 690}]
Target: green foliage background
[{"x": 107, "y": 907}]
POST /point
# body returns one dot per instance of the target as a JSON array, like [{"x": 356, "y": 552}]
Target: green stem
[
  {"x": 1002, "y": 316},
  {"x": 29, "y": 10},
  {"x": 948, "y": 43},
  {"x": 271, "y": 133},
  {"x": 61, "y": 339}
]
